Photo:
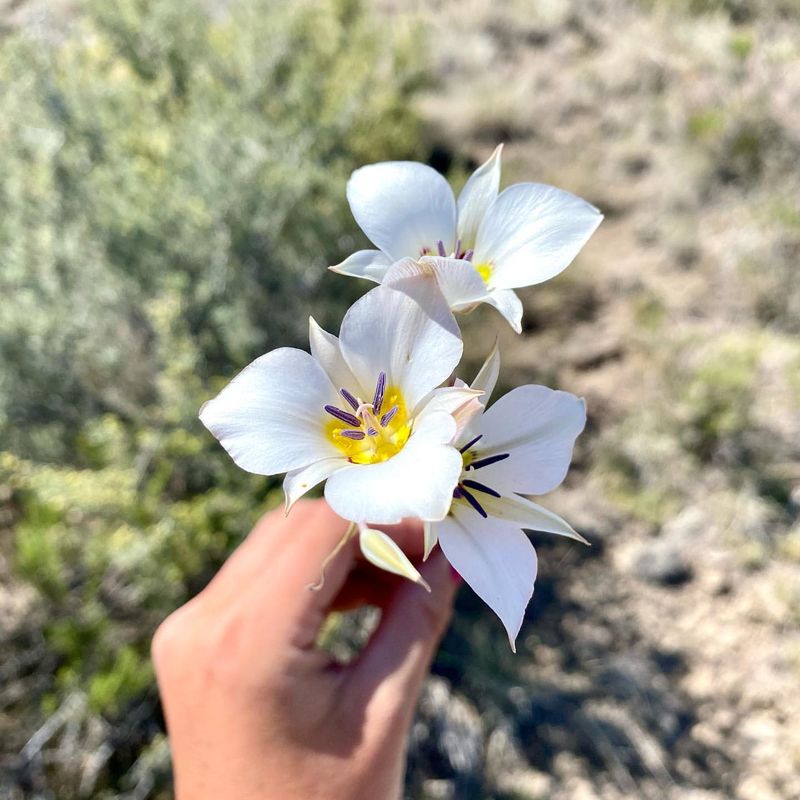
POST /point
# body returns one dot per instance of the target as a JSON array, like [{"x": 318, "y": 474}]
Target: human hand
[{"x": 255, "y": 710}]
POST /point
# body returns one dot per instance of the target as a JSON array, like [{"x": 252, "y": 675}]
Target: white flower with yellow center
[
  {"x": 361, "y": 411},
  {"x": 502, "y": 241},
  {"x": 521, "y": 445}
]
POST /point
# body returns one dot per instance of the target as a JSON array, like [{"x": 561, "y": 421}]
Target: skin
[{"x": 255, "y": 710}]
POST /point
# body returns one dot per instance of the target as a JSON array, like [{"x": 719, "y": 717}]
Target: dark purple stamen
[
  {"x": 377, "y": 401},
  {"x": 372, "y": 432},
  {"x": 484, "y": 462},
  {"x": 344, "y": 416},
  {"x": 457, "y": 493},
  {"x": 458, "y": 248},
  {"x": 470, "y": 443},
  {"x": 387, "y": 417},
  {"x": 468, "y": 255},
  {"x": 440, "y": 246},
  {"x": 350, "y": 399},
  {"x": 473, "y": 502},
  {"x": 424, "y": 251},
  {"x": 480, "y": 487},
  {"x": 357, "y": 435}
]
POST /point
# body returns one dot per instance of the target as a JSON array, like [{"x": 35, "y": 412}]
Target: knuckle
[{"x": 172, "y": 641}]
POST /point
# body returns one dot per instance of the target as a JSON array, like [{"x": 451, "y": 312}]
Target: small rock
[
  {"x": 662, "y": 564},
  {"x": 756, "y": 787},
  {"x": 439, "y": 790}
]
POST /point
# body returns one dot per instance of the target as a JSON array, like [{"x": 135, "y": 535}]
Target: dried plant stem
[{"x": 349, "y": 533}]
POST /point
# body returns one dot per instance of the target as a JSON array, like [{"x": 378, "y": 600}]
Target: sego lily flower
[
  {"x": 361, "y": 411},
  {"x": 522, "y": 236},
  {"x": 521, "y": 445}
]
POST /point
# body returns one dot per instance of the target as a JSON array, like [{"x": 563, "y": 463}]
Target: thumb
[{"x": 393, "y": 665}]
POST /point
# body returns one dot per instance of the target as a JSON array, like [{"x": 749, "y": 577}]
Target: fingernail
[{"x": 455, "y": 575}]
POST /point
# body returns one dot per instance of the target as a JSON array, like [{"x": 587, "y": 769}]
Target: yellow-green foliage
[
  {"x": 722, "y": 404},
  {"x": 173, "y": 188}
]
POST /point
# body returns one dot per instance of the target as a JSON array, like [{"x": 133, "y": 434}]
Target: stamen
[
  {"x": 473, "y": 502},
  {"x": 457, "y": 251},
  {"x": 350, "y": 399},
  {"x": 387, "y": 417},
  {"x": 344, "y": 416},
  {"x": 470, "y": 443},
  {"x": 468, "y": 255},
  {"x": 377, "y": 401},
  {"x": 357, "y": 435},
  {"x": 480, "y": 487},
  {"x": 440, "y": 246},
  {"x": 457, "y": 493},
  {"x": 372, "y": 432},
  {"x": 484, "y": 462}
]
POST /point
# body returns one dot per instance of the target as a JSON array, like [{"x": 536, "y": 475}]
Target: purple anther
[
  {"x": 377, "y": 401},
  {"x": 468, "y": 255},
  {"x": 344, "y": 416},
  {"x": 457, "y": 493},
  {"x": 350, "y": 399},
  {"x": 424, "y": 251},
  {"x": 356, "y": 435},
  {"x": 387, "y": 417},
  {"x": 372, "y": 432},
  {"x": 480, "y": 487},
  {"x": 470, "y": 443},
  {"x": 440, "y": 247},
  {"x": 484, "y": 462},
  {"x": 458, "y": 249},
  {"x": 473, "y": 502}
]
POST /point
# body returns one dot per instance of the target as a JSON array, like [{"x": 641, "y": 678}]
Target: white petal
[
  {"x": 403, "y": 207},
  {"x": 457, "y": 279},
  {"x": 461, "y": 402},
  {"x": 486, "y": 379},
  {"x": 299, "y": 481},
  {"x": 532, "y": 232},
  {"x": 448, "y": 398},
  {"x": 537, "y": 426},
  {"x": 509, "y": 305},
  {"x": 476, "y": 197},
  {"x": 417, "y": 482},
  {"x": 369, "y": 264},
  {"x": 495, "y": 558},
  {"x": 382, "y": 551},
  {"x": 527, "y": 514},
  {"x": 417, "y": 348},
  {"x": 429, "y": 538},
  {"x": 270, "y": 417},
  {"x": 325, "y": 349}
]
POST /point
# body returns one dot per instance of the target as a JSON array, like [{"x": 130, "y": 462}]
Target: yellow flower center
[
  {"x": 382, "y": 431},
  {"x": 484, "y": 269}
]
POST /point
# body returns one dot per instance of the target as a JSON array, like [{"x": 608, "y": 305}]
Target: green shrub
[{"x": 173, "y": 189}]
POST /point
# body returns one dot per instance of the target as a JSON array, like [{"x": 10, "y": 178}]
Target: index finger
[{"x": 284, "y": 555}]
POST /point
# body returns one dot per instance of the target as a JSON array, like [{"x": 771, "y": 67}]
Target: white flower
[
  {"x": 522, "y": 236},
  {"x": 361, "y": 411},
  {"x": 521, "y": 445}
]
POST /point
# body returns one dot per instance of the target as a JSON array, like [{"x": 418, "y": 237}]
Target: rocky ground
[{"x": 664, "y": 662}]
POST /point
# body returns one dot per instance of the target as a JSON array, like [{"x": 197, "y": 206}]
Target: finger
[
  {"x": 392, "y": 667},
  {"x": 366, "y": 585},
  {"x": 350, "y": 581}
]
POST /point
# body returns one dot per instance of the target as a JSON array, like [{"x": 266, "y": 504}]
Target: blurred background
[{"x": 172, "y": 181}]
